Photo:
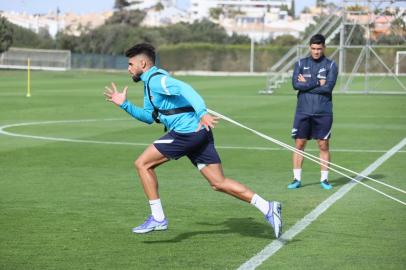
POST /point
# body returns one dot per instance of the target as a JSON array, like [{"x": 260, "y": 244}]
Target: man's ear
[{"x": 143, "y": 63}]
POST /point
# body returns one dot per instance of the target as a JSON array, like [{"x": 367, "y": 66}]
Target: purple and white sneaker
[
  {"x": 274, "y": 217},
  {"x": 151, "y": 224}
]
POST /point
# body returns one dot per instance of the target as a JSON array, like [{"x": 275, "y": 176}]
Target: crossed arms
[{"x": 314, "y": 85}]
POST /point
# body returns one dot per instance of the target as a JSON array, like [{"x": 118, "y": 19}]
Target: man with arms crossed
[
  {"x": 314, "y": 78},
  {"x": 183, "y": 112}
]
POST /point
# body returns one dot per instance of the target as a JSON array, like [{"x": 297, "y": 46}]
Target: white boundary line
[
  {"x": 259, "y": 148},
  {"x": 277, "y": 244}
]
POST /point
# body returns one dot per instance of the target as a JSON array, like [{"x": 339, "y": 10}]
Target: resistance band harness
[{"x": 155, "y": 113}]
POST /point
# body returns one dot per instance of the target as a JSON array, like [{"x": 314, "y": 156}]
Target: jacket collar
[
  {"x": 145, "y": 76},
  {"x": 318, "y": 60}
]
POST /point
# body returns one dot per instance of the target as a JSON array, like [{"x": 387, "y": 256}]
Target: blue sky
[
  {"x": 41, "y": 6},
  {"x": 82, "y": 6}
]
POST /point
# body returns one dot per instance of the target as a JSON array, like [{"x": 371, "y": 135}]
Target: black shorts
[
  {"x": 197, "y": 146},
  {"x": 312, "y": 126}
]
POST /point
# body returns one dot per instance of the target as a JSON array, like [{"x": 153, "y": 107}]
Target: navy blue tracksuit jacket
[{"x": 312, "y": 98}]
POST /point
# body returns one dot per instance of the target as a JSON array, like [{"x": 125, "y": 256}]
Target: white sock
[
  {"x": 260, "y": 203},
  {"x": 323, "y": 175},
  {"x": 156, "y": 209},
  {"x": 297, "y": 174}
]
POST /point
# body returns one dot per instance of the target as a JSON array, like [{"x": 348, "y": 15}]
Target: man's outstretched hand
[
  {"x": 208, "y": 121},
  {"x": 114, "y": 96}
]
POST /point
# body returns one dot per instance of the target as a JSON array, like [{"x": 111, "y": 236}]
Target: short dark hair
[
  {"x": 318, "y": 39},
  {"x": 142, "y": 48}
]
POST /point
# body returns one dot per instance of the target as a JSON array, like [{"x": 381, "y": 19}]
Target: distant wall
[
  {"x": 218, "y": 57},
  {"x": 98, "y": 61},
  {"x": 230, "y": 58}
]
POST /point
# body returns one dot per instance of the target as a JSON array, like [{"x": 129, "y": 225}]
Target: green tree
[
  {"x": 67, "y": 42},
  {"x": 121, "y": 4},
  {"x": 357, "y": 37},
  {"x": 285, "y": 40},
  {"x": 115, "y": 36},
  {"x": 6, "y": 34},
  {"x": 215, "y": 13},
  {"x": 355, "y": 8},
  {"x": 321, "y": 3},
  {"x": 232, "y": 12},
  {"x": 238, "y": 39},
  {"x": 398, "y": 31},
  {"x": 331, "y": 6},
  {"x": 306, "y": 10},
  {"x": 391, "y": 39},
  {"x": 388, "y": 12},
  {"x": 207, "y": 31},
  {"x": 159, "y": 6},
  {"x": 176, "y": 33},
  {"x": 129, "y": 17},
  {"x": 398, "y": 26},
  {"x": 311, "y": 27},
  {"x": 285, "y": 8},
  {"x": 45, "y": 39},
  {"x": 22, "y": 37}
]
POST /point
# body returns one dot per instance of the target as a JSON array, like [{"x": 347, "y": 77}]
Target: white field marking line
[
  {"x": 320, "y": 161},
  {"x": 313, "y": 158},
  {"x": 365, "y": 185},
  {"x": 259, "y": 148},
  {"x": 277, "y": 244},
  {"x": 142, "y": 144},
  {"x": 2, "y": 131}
]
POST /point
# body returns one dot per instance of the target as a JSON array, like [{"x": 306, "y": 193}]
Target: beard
[{"x": 137, "y": 77}]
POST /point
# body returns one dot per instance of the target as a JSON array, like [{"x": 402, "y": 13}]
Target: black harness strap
[
  {"x": 155, "y": 113},
  {"x": 177, "y": 110}
]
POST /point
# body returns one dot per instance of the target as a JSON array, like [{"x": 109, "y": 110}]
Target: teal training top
[{"x": 168, "y": 93}]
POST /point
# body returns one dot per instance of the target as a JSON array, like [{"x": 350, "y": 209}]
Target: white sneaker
[
  {"x": 274, "y": 217},
  {"x": 151, "y": 224}
]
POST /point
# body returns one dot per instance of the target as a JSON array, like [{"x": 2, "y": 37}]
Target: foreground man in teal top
[{"x": 183, "y": 112}]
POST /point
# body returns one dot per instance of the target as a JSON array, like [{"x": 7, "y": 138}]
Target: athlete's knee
[
  {"x": 140, "y": 164},
  {"x": 300, "y": 145},
  {"x": 324, "y": 146}
]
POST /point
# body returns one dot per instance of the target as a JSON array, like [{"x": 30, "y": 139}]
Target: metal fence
[{"x": 98, "y": 61}]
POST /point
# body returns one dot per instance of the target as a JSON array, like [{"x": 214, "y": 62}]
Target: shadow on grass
[
  {"x": 341, "y": 181},
  {"x": 243, "y": 226}
]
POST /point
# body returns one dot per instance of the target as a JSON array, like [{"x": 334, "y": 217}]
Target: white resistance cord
[{"x": 316, "y": 159}]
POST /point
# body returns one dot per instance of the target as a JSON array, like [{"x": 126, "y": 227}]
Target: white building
[
  {"x": 35, "y": 22},
  {"x": 70, "y": 23},
  {"x": 146, "y": 4},
  {"x": 168, "y": 14},
  {"x": 252, "y": 9},
  {"x": 259, "y": 19}
]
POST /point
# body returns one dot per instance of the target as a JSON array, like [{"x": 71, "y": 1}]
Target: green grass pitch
[{"x": 71, "y": 205}]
